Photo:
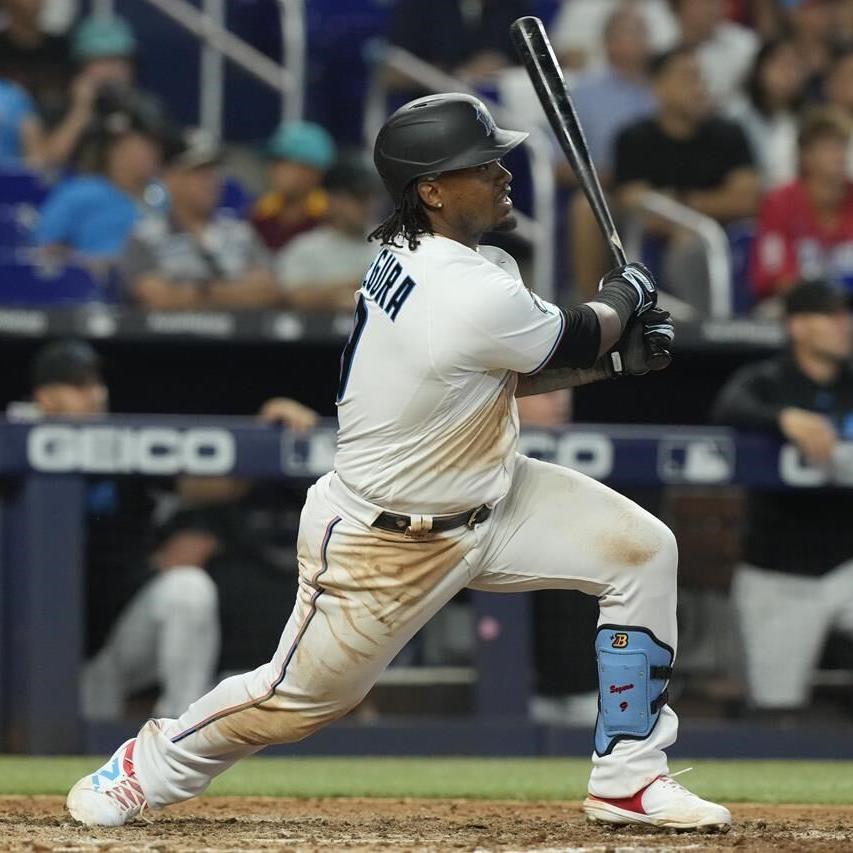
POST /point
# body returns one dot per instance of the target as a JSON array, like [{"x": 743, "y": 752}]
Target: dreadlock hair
[{"x": 408, "y": 221}]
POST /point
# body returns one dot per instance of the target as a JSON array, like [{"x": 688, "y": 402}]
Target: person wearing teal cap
[
  {"x": 299, "y": 153},
  {"x": 104, "y": 47}
]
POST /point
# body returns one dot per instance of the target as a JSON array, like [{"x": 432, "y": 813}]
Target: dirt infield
[{"x": 253, "y": 823}]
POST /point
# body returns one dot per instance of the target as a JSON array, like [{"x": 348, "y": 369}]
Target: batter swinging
[{"x": 429, "y": 496}]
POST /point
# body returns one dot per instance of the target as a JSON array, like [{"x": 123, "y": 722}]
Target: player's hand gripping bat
[{"x": 531, "y": 43}]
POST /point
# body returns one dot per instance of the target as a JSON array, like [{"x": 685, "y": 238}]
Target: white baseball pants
[
  {"x": 784, "y": 621},
  {"x": 167, "y": 635},
  {"x": 363, "y": 593}
]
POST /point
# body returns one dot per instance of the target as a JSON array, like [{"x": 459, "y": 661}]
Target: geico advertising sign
[{"x": 158, "y": 451}]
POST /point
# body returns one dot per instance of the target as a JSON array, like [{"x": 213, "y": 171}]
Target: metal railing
[
  {"x": 208, "y": 25},
  {"x": 714, "y": 241},
  {"x": 538, "y": 230}
]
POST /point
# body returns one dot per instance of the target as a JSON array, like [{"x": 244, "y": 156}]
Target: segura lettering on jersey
[{"x": 381, "y": 284}]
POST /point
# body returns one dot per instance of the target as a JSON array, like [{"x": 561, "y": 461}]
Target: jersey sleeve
[{"x": 504, "y": 326}]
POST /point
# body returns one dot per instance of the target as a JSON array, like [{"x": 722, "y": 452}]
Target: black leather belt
[{"x": 440, "y": 523}]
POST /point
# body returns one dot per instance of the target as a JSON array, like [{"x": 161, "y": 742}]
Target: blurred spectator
[
  {"x": 724, "y": 49},
  {"x": 94, "y": 214},
  {"x": 612, "y": 97},
  {"x": 299, "y": 154},
  {"x": 838, "y": 90},
  {"x": 197, "y": 257},
  {"x": 467, "y": 38},
  {"x": 796, "y": 580},
  {"x": 37, "y": 61},
  {"x": 151, "y": 609},
  {"x": 607, "y": 100},
  {"x": 767, "y": 111},
  {"x": 811, "y": 25},
  {"x": 578, "y": 30},
  {"x": 692, "y": 155},
  {"x": 20, "y": 126},
  {"x": 805, "y": 229},
  {"x": 323, "y": 268}
]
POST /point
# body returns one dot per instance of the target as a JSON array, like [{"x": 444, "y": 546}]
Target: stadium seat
[
  {"x": 32, "y": 283},
  {"x": 22, "y": 186},
  {"x": 16, "y": 222}
]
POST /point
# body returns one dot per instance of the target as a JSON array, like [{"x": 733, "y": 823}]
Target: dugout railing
[{"x": 43, "y": 466}]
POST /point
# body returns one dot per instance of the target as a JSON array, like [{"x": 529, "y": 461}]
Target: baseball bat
[{"x": 533, "y": 47}]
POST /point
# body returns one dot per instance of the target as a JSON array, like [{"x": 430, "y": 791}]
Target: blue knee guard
[{"x": 633, "y": 670}]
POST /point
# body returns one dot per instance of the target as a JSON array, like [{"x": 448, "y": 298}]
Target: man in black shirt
[
  {"x": 691, "y": 155},
  {"x": 796, "y": 580}
]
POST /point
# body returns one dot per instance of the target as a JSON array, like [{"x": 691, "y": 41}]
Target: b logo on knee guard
[{"x": 633, "y": 669}]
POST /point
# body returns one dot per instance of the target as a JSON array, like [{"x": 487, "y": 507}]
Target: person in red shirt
[
  {"x": 805, "y": 228},
  {"x": 299, "y": 154}
]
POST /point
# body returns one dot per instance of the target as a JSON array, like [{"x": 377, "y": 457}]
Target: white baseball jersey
[{"x": 426, "y": 405}]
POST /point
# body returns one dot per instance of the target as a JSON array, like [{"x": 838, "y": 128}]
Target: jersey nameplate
[{"x": 383, "y": 286}]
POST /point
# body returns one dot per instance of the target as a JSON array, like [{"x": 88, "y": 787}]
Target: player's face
[
  {"x": 75, "y": 401},
  {"x": 474, "y": 201}
]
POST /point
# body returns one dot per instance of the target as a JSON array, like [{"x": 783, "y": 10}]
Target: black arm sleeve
[
  {"x": 748, "y": 399},
  {"x": 581, "y": 339}
]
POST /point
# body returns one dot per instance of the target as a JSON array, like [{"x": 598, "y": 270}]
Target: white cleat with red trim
[
  {"x": 112, "y": 795},
  {"x": 663, "y": 802}
]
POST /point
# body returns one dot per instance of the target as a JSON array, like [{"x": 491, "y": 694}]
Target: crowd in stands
[{"x": 740, "y": 112}]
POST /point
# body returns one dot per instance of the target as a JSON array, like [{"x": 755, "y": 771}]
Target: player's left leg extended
[
  {"x": 363, "y": 593},
  {"x": 560, "y": 529}
]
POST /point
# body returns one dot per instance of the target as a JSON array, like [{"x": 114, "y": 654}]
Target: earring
[{"x": 439, "y": 204}]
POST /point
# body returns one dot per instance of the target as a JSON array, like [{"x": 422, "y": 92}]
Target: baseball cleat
[
  {"x": 111, "y": 796},
  {"x": 663, "y": 802}
]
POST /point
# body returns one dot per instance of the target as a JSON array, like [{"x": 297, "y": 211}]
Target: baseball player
[{"x": 429, "y": 496}]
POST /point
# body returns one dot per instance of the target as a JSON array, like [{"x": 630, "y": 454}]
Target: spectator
[
  {"x": 578, "y": 29},
  {"x": 38, "y": 62},
  {"x": 103, "y": 49},
  {"x": 692, "y": 155},
  {"x": 768, "y": 111},
  {"x": 20, "y": 127},
  {"x": 798, "y": 544},
  {"x": 612, "y": 97},
  {"x": 467, "y": 38},
  {"x": 811, "y": 24},
  {"x": 323, "y": 268},
  {"x": 299, "y": 154},
  {"x": 197, "y": 257},
  {"x": 607, "y": 100},
  {"x": 151, "y": 609},
  {"x": 838, "y": 91},
  {"x": 805, "y": 228},
  {"x": 724, "y": 49},
  {"x": 94, "y": 214}
]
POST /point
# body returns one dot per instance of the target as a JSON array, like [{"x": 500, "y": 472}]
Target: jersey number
[{"x": 352, "y": 343}]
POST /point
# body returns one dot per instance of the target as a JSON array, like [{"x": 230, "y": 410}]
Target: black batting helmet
[{"x": 438, "y": 133}]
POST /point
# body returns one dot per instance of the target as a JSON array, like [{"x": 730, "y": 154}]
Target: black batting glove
[
  {"x": 630, "y": 290},
  {"x": 632, "y": 356}
]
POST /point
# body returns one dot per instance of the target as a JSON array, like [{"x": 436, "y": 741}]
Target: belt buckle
[{"x": 475, "y": 516}]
